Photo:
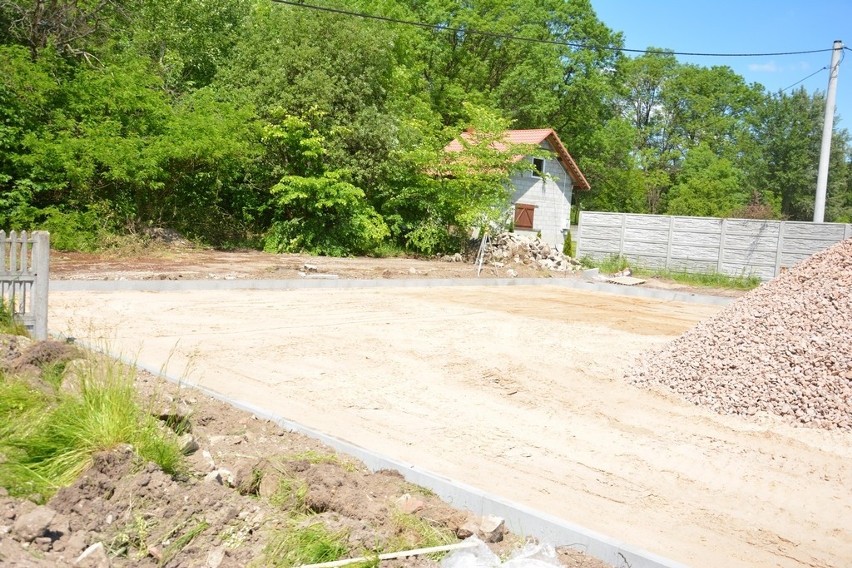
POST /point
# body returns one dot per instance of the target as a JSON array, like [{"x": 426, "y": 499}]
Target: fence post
[
  {"x": 41, "y": 266},
  {"x": 780, "y": 251},
  {"x": 669, "y": 245},
  {"x": 621, "y": 240},
  {"x": 721, "y": 246},
  {"x": 848, "y": 231}
]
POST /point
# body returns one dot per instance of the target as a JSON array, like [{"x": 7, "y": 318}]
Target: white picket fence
[
  {"x": 24, "y": 274},
  {"x": 737, "y": 247}
]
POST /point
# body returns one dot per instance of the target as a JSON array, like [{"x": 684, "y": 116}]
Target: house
[{"x": 542, "y": 194}]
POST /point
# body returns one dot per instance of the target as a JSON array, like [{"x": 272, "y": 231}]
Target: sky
[{"x": 745, "y": 26}]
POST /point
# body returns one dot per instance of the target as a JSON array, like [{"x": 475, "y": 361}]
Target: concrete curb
[
  {"x": 196, "y": 285},
  {"x": 519, "y": 519}
]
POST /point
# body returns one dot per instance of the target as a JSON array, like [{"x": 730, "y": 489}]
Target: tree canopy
[{"x": 253, "y": 123}]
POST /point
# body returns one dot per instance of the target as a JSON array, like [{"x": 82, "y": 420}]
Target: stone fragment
[
  {"x": 410, "y": 504},
  {"x": 34, "y": 524},
  {"x": 95, "y": 556},
  {"x": 188, "y": 444}
]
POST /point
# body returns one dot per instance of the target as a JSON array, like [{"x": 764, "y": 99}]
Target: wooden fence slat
[
  {"x": 13, "y": 251},
  {"x": 23, "y": 252}
]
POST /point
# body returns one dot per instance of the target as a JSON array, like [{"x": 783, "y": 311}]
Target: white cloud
[{"x": 770, "y": 67}]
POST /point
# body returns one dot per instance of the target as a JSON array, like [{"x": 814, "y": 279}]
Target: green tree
[
  {"x": 336, "y": 71},
  {"x": 789, "y": 135},
  {"x": 708, "y": 186},
  {"x": 676, "y": 107},
  {"x": 442, "y": 195},
  {"x": 69, "y": 26},
  {"x": 210, "y": 187},
  {"x": 188, "y": 40},
  {"x": 28, "y": 93},
  {"x": 314, "y": 208}
]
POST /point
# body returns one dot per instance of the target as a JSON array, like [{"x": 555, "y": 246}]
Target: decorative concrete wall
[{"x": 705, "y": 244}]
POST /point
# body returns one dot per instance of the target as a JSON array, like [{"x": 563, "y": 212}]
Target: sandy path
[{"x": 513, "y": 390}]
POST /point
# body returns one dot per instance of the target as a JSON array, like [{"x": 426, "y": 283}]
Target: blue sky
[{"x": 745, "y": 26}]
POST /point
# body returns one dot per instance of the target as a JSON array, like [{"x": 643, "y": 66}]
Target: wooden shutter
[{"x": 524, "y": 216}]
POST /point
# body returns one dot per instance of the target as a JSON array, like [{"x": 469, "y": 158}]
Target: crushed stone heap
[
  {"x": 506, "y": 248},
  {"x": 784, "y": 348}
]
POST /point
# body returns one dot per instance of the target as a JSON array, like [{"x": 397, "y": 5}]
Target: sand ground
[{"x": 514, "y": 390}]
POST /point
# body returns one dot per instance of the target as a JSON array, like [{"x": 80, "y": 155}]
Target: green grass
[
  {"x": 291, "y": 494},
  {"x": 616, "y": 263},
  {"x": 182, "y": 538},
  {"x": 416, "y": 532},
  {"x": 709, "y": 279},
  {"x": 133, "y": 536},
  {"x": 303, "y": 542},
  {"x": 8, "y": 323},
  {"x": 314, "y": 457},
  {"x": 48, "y": 440}
]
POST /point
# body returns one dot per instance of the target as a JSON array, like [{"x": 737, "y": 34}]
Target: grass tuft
[
  {"x": 9, "y": 324},
  {"x": 314, "y": 457},
  {"x": 617, "y": 263},
  {"x": 291, "y": 494},
  {"x": 183, "y": 538},
  {"x": 48, "y": 440},
  {"x": 416, "y": 532},
  {"x": 301, "y": 543}
]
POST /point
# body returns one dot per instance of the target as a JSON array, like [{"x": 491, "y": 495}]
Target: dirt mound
[
  {"x": 784, "y": 348},
  {"x": 247, "y": 481}
]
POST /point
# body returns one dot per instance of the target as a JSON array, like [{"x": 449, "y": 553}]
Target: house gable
[
  {"x": 541, "y": 200},
  {"x": 548, "y": 139}
]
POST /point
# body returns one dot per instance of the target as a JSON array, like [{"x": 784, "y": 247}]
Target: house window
[
  {"x": 538, "y": 167},
  {"x": 524, "y": 216}
]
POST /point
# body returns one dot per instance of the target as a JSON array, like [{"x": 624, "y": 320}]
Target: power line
[
  {"x": 444, "y": 28},
  {"x": 805, "y": 79},
  {"x": 842, "y": 57}
]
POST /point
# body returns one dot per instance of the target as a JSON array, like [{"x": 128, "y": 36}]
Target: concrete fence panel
[{"x": 737, "y": 247}]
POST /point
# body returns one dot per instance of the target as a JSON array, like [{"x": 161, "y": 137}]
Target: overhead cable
[
  {"x": 805, "y": 79},
  {"x": 445, "y": 28}
]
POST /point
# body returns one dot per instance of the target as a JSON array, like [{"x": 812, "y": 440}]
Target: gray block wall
[{"x": 551, "y": 196}]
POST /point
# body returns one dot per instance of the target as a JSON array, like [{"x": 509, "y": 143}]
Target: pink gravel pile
[{"x": 784, "y": 348}]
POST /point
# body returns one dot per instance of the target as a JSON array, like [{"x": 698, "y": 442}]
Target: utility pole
[{"x": 827, "y": 131}]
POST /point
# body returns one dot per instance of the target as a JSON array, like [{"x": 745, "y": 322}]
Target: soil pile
[
  {"x": 247, "y": 484},
  {"x": 784, "y": 348}
]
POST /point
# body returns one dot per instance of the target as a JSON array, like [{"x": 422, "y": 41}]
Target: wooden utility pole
[{"x": 827, "y": 131}]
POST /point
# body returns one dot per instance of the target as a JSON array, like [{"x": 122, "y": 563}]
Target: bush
[
  {"x": 323, "y": 215},
  {"x": 568, "y": 245}
]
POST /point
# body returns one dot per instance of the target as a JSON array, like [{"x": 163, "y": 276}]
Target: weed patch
[
  {"x": 617, "y": 263},
  {"x": 300, "y": 543},
  {"x": 48, "y": 440}
]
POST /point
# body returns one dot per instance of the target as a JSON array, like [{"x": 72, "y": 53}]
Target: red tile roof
[{"x": 537, "y": 136}]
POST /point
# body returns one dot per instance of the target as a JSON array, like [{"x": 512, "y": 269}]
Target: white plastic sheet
[{"x": 532, "y": 555}]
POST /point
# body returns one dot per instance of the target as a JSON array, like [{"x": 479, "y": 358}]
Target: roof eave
[{"x": 580, "y": 181}]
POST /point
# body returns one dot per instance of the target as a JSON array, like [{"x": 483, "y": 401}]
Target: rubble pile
[
  {"x": 507, "y": 248},
  {"x": 784, "y": 348}
]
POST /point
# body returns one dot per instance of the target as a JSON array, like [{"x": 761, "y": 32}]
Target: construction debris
[
  {"x": 624, "y": 280},
  {"x": 507, "y": 248},
  {"x": 784, "y": 349}
]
